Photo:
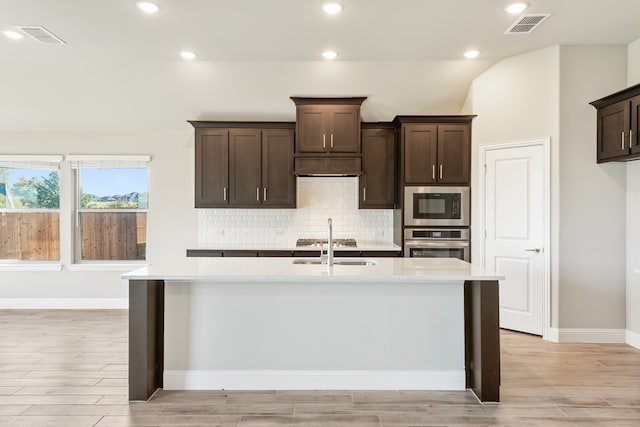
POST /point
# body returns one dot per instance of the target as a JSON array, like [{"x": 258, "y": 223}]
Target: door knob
[{"x": 536, "y": 250}]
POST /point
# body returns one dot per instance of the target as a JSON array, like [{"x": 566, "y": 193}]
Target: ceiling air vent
[
  {"x": 42, "y": 35},
  {"x": 525, "y": 24}
]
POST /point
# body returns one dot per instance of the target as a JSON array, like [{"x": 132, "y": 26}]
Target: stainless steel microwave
[{"x": 436, "y": 206}]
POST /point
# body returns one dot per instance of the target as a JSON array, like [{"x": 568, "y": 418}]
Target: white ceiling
[{"x": 105, "y": 37}]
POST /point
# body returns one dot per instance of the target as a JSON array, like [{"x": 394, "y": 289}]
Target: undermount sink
[{"x": 336, "y": 261}]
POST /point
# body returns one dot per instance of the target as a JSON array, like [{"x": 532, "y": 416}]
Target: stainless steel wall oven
[{"x": 437, "y": 243}]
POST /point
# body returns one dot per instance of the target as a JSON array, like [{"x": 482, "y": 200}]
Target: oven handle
[{"x": 438, "y": 244}]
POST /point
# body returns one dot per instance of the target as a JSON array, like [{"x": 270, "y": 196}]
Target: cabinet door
[
  {"x": 211, "y": 168},
  {"x": 278, "y": 181},
  {"x": 344, "y": 129},
  {"x": 245, "y": 164},
  {"x": 312, "y": 122},
  {"x": 454, "y": 154},
  {"x": 613, "y": 129},
  {"x": 378, "y": 169},
  {"x": 420, "y": 154},
  {"x": 635, "y": 125}
]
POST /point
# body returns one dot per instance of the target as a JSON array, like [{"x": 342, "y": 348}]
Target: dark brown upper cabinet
[
  {"x": 250, "y": 166},
  {"x": 278, "y": 181},
  {"x": 245, "y": 167},
  {"x": 327, "y": 125},
  {"x": 377, "y": 181},
  {"x": 454, "y": 154},
  {"x": 618, "y": 119},
  {"x": 435, "y": 149},
  {"x": 212, "y": 167}
]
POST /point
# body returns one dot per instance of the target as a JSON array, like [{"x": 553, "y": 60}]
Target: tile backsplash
[{"x": 319, "y": 198}]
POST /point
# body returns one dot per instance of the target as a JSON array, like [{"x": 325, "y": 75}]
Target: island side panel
[
  {"x": 146, "y": 337},
  {"x": 482, "y": 339},
  {"x": 314, "y": 335}
]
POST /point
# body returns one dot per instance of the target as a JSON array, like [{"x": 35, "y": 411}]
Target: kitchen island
[{"x": 268, "y": 323}]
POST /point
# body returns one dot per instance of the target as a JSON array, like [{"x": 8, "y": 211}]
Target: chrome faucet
[{"x": 330, "y": 245}]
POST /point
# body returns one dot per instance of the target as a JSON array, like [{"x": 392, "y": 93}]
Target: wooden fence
[
  {"x": 35, "y": 236},
  {"x": 30, "y": 236},
  {"x": 113, "y": 235}
]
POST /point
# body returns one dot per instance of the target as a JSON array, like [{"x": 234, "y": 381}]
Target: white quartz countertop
[
  {"x": 361, "y": 247},
  {"x": 270, "y": 270}
]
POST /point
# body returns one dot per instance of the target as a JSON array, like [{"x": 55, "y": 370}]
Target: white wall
[
  {"x": 633, "y": 213},
  {"x": 546, "y": 93},
  {"x": 101, "y": 94},
  {"x": 517, "y": 99},
  {"x": 592, "y": 196}
]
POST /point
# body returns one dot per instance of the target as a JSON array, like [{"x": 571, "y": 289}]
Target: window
[
  {"x": 30, "y": 208},
  {"x": 111, "y": 207}
]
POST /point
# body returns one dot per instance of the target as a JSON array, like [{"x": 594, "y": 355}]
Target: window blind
[
  {"x": 98, "y": 161},
  {"x": 30, "y": 162}
]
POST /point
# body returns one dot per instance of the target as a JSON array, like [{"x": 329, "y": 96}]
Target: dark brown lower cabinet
[{"x": 216, "y": 253}]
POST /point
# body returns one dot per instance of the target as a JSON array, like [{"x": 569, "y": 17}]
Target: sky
[
  {"x": 111, "y": 182},
  {"x": 16, "y": 174},
  {"x": 98, "y": 182}
]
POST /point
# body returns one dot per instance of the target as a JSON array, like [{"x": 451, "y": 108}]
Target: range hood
[{"x": 328, "y": 166}]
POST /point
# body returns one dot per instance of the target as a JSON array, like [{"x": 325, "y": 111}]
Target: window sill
[
  {"x": 105, "y": 267},
  {"x": 29, "y": 266}
]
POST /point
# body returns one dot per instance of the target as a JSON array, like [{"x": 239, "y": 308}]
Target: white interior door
[{"x": 515, "y": 203}]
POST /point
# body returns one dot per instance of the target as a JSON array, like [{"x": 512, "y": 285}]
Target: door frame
[{"x": 545, "y": 142}]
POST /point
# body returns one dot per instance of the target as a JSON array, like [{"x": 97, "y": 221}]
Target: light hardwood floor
[{"x": 69, "y": 368}]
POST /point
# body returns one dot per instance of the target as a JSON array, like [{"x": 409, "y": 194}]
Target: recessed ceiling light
[
  {"x": 470, "y": 54},
  {"x": 329, "y": 54},
  {"x": 516, "y": 8},
  {"x": 13, "y": 35},
  {"x": 189, "y": 56},
  {"x": 331, "y": 8},
  {"x": 148, "y": 7}
]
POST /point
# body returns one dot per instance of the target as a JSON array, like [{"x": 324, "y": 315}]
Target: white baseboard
[
  {"x": 580, "y": 335},
  {"x": 633, "y": 339},
  {"x": 552, "y": 335},
  {"x": 314, "y": 380},
  {"x": 64, "y": 303}
]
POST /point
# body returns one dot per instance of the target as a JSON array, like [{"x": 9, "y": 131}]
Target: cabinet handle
[
  {"x": 224, "y": 194},
  {"x": 331, "y": 140},
  {"x": 364, "y": 194},
  {"x": 441, "y": 171},
  {"x": 264, "y": 194},
  {"x": 623, "y": 140},
  {"x": 630, "y": 137},
  {"x": 324, "y": 141},
  {"x": 258, "y": 193},
  {"x": 433, "y": 172}
]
